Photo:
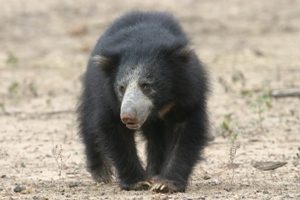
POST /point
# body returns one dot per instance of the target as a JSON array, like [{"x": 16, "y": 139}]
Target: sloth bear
[{"x": 142, "y": 78}]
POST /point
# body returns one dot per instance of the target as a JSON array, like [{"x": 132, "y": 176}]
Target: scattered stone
[
  {"x": 258, "y": 52},
  {"x": 22, "y": 165},
  {"x": 228, "y": 188},
  {"x": 3, "y": 176},
  {"x": 74, "y": 184},
  {"x": 206, "y": 176},
  {"x": 19, "y": 188},
  {"x": 215, "y": 181},
  {"x": 39, "y": 198},
  {"x": 268, "y": 165}
]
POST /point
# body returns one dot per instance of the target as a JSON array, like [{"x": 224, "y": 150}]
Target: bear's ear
[
  {"x": 106, "y": 63},
  {"x": 182, "y": 54}
]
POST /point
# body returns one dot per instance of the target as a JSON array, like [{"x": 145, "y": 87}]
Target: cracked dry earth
[{"x": 249, "y": 47}]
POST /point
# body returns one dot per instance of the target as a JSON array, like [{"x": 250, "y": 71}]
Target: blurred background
[{"x": 251, "y": 49}]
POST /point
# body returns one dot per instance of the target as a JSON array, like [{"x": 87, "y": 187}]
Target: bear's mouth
[{"x": 133, "y": 126}]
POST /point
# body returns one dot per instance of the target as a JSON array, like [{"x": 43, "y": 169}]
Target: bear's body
[{"x": 142, "y": 76}]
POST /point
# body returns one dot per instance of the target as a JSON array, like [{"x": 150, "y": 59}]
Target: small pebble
[
  {"x": 206, "y": 177},
  {"x": 228, "y": 189},
  {"x": 215, "y": 181},
  {"x": 19, "y": 188},
  {"x": 39, "y": 198},
  {"x": 72, "y": 185}
]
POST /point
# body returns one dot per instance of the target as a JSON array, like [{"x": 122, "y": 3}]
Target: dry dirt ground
[{"x": 249, "y": 47}]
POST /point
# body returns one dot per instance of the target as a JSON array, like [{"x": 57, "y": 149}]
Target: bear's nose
[{"x": 128, "y": 118}]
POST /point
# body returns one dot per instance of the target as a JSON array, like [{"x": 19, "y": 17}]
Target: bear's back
[{"x": 141, "y": 31}]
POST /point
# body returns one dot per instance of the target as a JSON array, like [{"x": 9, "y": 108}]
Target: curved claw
[
  {"x": 160, "y": 187},
  {"x": 143, "y": 185}
]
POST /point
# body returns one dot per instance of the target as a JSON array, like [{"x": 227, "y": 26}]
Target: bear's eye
[
  {"x": 122, "y": 89},
  {"x": 145, "y": 86}
]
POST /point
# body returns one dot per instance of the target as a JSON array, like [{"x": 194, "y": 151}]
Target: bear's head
[{"x": 143, "y": 81}]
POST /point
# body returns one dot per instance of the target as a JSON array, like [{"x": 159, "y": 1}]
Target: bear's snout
[
  {"x": 135, "y": 106},
  {"x": 128, "y": 118}
]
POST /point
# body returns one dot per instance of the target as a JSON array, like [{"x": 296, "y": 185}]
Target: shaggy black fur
[{"x": 175, "y": 136}]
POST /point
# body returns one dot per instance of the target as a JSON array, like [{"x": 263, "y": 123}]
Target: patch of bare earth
[{"x": 250, "y": 48}]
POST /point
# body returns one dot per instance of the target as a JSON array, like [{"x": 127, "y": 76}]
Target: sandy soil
[{"x": 249, "y": 47}]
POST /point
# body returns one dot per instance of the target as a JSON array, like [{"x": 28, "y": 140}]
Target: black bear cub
[{"x": 142, "y": 78}]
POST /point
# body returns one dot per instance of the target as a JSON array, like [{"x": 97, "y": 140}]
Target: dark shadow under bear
[{"x": 143, "y": 76}]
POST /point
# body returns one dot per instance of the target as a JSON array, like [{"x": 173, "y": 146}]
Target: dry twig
[{"x": 288, "y": 92}]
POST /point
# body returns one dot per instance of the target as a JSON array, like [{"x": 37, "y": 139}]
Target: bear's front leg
[
  {"x": 120, "y": 147},
  {"x": 183, "y": 151},
  {"x": 155, "y": 148}
]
